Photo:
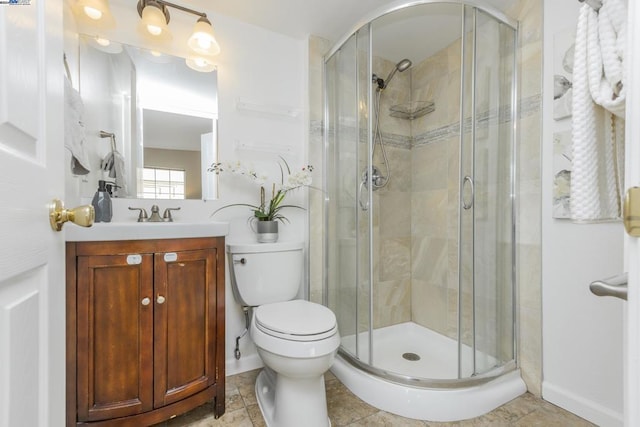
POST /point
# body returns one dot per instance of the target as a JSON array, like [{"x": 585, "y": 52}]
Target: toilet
[{"x": 297, "y": 340}]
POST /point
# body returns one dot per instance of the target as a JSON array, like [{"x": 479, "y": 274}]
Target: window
[{"x": 160, "y": 183}]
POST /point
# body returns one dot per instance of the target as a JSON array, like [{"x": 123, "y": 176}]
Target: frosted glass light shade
[
  {"x": 153, "y": 24},
  {"x": 202, "y": 39},
  {"x": 201, "y": 64},
  {"x": 95, "y": 13}
]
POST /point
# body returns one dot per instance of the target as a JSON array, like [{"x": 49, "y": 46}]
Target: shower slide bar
[{"x": 615, "y": 286}]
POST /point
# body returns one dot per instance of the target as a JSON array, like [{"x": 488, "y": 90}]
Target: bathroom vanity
[{"x": 145, "y": 326}]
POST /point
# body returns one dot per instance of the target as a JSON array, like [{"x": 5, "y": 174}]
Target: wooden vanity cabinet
[{"x": 145, "y": 329}]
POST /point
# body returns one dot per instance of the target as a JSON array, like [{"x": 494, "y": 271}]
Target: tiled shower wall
[
  {"x": 392, "y": 215},
  {"x": 435, "y": 182},
  {"x": 415, "y": 263},
  {"x": 415, "y": 215}
]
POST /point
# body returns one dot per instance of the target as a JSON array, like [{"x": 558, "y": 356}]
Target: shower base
[{"x": 437, "y": 360}]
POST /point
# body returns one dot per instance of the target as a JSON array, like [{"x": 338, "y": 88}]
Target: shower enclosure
[{"x": 420, "y": 114}]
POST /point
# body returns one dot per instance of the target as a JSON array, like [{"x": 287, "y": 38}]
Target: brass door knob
[{"x": 58, "y": 215}]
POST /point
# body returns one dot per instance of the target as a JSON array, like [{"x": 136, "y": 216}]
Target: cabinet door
[
  {"x": 185, "y": 324},
  {"x": 115, "y": 336}
]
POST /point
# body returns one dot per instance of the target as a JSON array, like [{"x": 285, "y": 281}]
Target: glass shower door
[
  {"x": 486, "y": 220},
  {"x": 347, "y": 85}
]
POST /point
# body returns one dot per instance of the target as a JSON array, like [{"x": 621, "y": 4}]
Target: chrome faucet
[{"x": 155, "y": 214}]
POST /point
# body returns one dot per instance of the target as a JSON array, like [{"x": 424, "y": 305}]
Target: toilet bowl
[{"x": 297, "y": 340}]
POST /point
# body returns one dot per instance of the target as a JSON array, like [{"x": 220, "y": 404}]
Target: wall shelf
[
  {"x": 282, "y": 150},
  {"x": 412, "y": 110},
  {"x": 268, "y": 109}
]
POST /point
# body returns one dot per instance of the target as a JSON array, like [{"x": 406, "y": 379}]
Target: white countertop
[{"x": 105, "y": 231}]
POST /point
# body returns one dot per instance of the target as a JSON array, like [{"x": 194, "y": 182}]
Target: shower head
[{"x": 401, "y": 66}]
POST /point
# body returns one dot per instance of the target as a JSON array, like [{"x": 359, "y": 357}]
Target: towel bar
[{"x": 595, "y": 4}]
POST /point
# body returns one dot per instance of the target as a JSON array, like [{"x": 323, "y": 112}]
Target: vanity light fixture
[
  {"x": 202, "y": 43},
  {"x": 155, "y": 18}
]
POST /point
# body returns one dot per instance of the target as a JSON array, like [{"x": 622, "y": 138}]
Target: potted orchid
[{"x": 268, "y": 212}]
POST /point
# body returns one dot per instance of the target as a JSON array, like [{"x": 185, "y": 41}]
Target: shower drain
[{"x": 411, "y": 356}]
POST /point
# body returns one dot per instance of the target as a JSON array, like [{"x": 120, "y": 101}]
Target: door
[
  {"x": 486, "y": 298},
  {"x": 348, "y": 232},
  {"x": 32, "y": 292},
  {"x": 632, "y": 245},
  {"x": 185, "y": 324},
  {"x": 114, "y": 335}
]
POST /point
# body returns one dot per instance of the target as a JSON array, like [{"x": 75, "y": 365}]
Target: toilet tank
[{"x": 262, "y": 273}]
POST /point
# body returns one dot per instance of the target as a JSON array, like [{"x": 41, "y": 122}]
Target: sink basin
[{"x": 103, "y": 231}]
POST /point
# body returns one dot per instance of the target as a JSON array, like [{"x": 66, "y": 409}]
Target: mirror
[{"x": 163, "y": 116}]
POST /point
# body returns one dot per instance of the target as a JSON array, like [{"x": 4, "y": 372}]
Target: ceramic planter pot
[{"x": 267, "y": 231}]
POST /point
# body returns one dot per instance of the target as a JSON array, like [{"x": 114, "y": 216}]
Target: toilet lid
[{"x": 298, "y": 320}]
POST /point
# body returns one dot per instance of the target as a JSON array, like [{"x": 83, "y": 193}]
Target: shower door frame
[
  {"x": 453, "y": 383},
  {"x": 472, "y": 19}
]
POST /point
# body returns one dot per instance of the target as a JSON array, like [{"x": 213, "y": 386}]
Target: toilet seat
[{"x": 296, "y": 320}]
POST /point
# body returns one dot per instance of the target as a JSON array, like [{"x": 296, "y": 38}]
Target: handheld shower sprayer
[
  {"x": 401, "y": 66},
  {"x": 374, "y": 175}
]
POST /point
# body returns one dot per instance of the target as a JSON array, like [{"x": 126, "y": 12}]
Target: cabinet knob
[
  {"x": 160, "y": 299},
  {"x": 146, "y": 301}
]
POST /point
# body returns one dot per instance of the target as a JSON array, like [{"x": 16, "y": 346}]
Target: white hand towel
[
  {"x": 598, "y": 113},
  {"x": 118, "y": 172},
  {"x": 74, "y": 135},
  {"x": 115, "y": 166}
]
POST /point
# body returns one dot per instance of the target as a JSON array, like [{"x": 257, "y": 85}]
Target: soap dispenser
[{"x": 102, "y": 203}]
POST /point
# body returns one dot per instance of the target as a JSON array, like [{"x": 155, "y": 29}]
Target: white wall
[
  {"x": 267, "y": 69},
  {"x": 582, "y": 333}
]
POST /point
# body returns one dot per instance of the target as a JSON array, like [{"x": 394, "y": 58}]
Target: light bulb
[
  {"x": 153, "y": 24},
  {"x": 154, "y": 30},
  {"x": 95, "y": 13},
  {"x": 92, "y": 12},
  {"x": 202, "y": 40}
]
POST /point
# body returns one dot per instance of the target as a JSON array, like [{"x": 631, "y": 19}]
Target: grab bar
[{"x": 615, "y": 286}]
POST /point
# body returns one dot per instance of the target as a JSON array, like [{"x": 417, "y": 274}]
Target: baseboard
[
  {"x": 587, "y": 409},
  {"x": 246, "y": 363}
]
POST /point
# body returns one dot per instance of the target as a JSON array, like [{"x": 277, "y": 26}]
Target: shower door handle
[
  {"x": 363, "y": 185},
  {"x": 467, "y": 205}
]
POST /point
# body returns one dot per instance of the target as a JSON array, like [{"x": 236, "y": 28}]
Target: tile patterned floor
[{"x": 345, "y": 409}]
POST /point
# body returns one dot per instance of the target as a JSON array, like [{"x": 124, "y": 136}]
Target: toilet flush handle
[{"x": 242, "y": 261}]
